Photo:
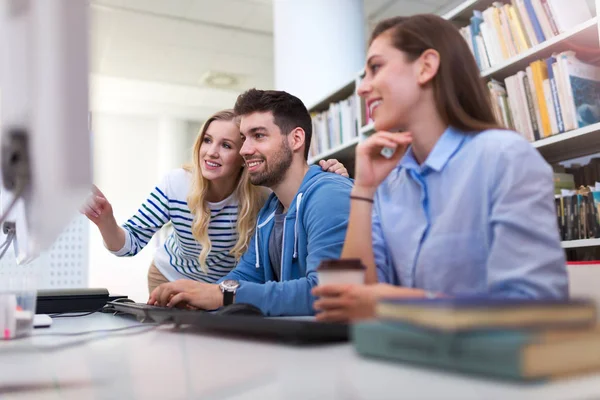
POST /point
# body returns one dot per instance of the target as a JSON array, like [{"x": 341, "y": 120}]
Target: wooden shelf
[
  {"x": 585, "y": 34},
  {"x": 342, "y": 152},
  {"x": 572, "y": 144},
  {"x": 571, "y": 244}
]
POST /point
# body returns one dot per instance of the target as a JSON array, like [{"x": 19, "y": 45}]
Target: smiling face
[
  {"x": 219, "y": 156},
  {"x": 266, "y": 150},
  {"x": 390, "y": 86}
]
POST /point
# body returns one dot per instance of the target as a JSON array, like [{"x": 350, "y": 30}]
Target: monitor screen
[{"x": 45, "y": 152}]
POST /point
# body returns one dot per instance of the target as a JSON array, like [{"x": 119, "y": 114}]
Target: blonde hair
[{"x": 250, "y": 199}]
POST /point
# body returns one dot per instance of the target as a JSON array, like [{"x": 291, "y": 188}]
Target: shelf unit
[
  {"x": 572, "y": 244},
  {"x": 571, "y": 144},
  {"x": 564, "y": 146},
  {"x": 345, "y": 151},
  {"x": 585, "y": 34}
]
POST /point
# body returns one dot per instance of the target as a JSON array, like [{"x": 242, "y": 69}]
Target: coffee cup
[{"x": 341, "y": 271}]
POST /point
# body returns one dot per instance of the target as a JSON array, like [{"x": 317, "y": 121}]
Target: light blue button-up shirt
[{"x": 476, "y": 218}]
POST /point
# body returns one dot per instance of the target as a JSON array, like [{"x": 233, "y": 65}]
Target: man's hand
[
  {"x": 185, "y": 292},
  {"x": 333, "y": 165},
  {"x": 339, "y": 302}
]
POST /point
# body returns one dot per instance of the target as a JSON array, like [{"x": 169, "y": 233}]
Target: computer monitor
[{"x": 45, "y": 155}]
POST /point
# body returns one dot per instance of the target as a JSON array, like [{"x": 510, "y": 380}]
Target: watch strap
[{"x": 228, "y": 297}]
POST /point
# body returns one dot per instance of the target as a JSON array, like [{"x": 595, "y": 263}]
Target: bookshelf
[
  {"x": 344, "y": 92},
  {"x": 585, "y": 35},
  {"x": 555, "y": 148},
  {"x": 571, "y": 144},
  {"x": 464, "y": 10},
  {"x": 344, "y": 150}
]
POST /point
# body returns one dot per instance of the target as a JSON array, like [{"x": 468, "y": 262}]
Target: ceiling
[{"x": 179, "y": 42}]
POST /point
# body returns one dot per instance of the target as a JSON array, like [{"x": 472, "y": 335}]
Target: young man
[{"x": 302, "y": 223}]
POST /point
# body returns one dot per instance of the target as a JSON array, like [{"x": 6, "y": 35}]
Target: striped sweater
[{"x": 177, "y": 258}]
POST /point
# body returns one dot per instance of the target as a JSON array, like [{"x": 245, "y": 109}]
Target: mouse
[
  {"x": 240, "y": 309},
  {"x": 109, "y": 308},
  {"x": 123, "y": 300}
]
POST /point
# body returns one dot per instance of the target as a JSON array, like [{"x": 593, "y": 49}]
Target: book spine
[
  {"x": 378, "y": 340},
  {"x": 596, "y": 206},
  {"x": 537, "y": 28},
  {"x": 550, "y": 106},
  {"x": 564, "y": 61},
  {"x": 555, "y": 99},
  {"x": 548, "y": 12},
  {"x": 543, "y": 18},
  {"x": 531, "y": 106},
  {"x": 569, "y": 214},
  {"x": 557, "y": 204},
  {"x": 539, "y": 73},
  {"x": 526, "y": 22},
  {"x": 474, "y": 31}
]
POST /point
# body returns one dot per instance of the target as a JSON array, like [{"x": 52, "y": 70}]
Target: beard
[{"x": 275, "y": 169}]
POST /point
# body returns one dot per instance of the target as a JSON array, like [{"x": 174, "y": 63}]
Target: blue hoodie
[{"x": 314, "y": 230}]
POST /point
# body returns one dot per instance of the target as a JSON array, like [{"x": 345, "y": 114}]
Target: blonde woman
[{"x": 211, "y": 204}]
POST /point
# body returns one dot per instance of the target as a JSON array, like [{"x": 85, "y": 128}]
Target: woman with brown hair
[
  {"x": 463, "y": 207},
  {"x": 211, "y": 204}
]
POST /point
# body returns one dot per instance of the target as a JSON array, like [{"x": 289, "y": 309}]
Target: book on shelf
[
  {"x": 578, "y": 210},
  {"x": 333, "y": 127},
  {"x": 582, "y": 86},
  {"x": 507, "y": 29},
  {"x": 556, "y": 110},
  {"x": 568, "y": 14},
  {"x": 549, "y": 97},
  {"x": 519, "y": 354},
  {"x": 563, "y": 180}
]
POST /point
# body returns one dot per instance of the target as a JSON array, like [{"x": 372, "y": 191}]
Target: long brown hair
[
  {"x": 461, "y": 96},
  {"x": 250, "y": 198}
]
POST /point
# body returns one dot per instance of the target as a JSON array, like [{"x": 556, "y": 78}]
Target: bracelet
[{"x": 361, "y": 198}]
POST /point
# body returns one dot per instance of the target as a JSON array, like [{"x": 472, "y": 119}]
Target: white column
[
  {"x": 319, "y": 45},
  {"x": 173, "y": 147}
]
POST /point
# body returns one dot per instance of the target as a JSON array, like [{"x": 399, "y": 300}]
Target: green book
[{"x": 506, "y": 354}]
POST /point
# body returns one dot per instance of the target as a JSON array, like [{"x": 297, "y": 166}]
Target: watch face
[{"x": 230, "y": 284}]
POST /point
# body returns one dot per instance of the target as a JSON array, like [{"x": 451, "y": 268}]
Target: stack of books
[
  {"x": 507, "y": 29},
  {"x": 551, "y": 96},
  {"x": 510, "y": 339},
  {"x": 334, "y": 127},
  {"x": 577, "y": 214}
]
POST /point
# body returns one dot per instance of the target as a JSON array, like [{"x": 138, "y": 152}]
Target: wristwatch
[{"x": 228, "y": 287}]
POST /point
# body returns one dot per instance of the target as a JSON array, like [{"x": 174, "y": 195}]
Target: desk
[{"x": 167, "y": 364}]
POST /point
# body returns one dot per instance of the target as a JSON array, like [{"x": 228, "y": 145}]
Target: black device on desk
[
  {"x": 241, "y": 319},
  {"x": 53, "y": 301}
]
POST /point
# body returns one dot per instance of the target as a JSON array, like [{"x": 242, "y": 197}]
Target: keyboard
[
  {"x": 279, "y": 329},
  {"x": 146, "y": 312}
]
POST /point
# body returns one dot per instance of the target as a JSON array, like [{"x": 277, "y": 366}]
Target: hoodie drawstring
[
  {"x": 298, "y": 203},
  {"x": 257, "y": 265},
  {"x": 256, "y": 247}
]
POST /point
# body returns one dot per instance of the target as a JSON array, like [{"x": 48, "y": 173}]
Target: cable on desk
[
  {"x": 82, "y": 333},
  {"x": 80, "y": 342},
  {"x": 67, "y": 315}
]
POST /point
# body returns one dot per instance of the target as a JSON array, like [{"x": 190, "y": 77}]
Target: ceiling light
[{"x": 218, "y": 79}]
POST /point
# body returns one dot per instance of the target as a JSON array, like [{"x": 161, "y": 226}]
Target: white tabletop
[{"x": 164, "y": 363}]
